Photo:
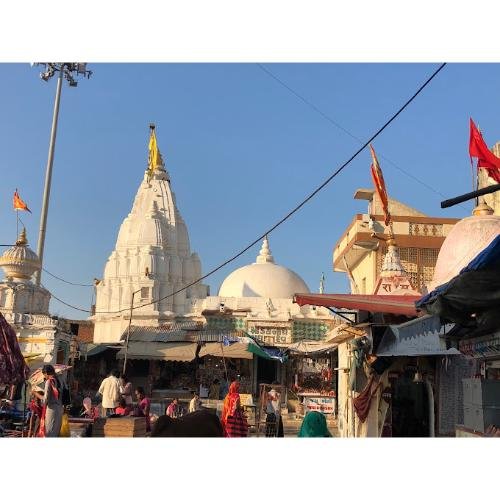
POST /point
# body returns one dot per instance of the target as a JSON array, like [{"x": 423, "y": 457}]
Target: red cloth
[
  {"x": 231, "y": 403},
  {"x": 236, "y": 425},
  {"x": 13, "y": 368},
  {"x": 363, "y": 400},
  {"x": 485, "y": 158},
  {"x": 378, "y": 180},
  {"x": 122, "y": 411}
]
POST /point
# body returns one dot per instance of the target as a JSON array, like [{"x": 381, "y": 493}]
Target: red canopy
[{"x": 394, "y": 304}]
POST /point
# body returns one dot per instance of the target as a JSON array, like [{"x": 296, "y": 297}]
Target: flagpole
[{"x": 224, "y": 361}]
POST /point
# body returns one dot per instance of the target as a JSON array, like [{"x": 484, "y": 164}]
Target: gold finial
[
  {"x": 483, "y": 209},
  {"x": 22, "y": 240}
]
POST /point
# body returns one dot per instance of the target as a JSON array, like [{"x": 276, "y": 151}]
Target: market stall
[{"x": 312, "y": 377}]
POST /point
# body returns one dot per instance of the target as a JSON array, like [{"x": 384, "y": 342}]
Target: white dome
[
  {"x": 263, "y": 279},
  {"x": 20, "y": 261},
  {"x": 465, "y": 241}
]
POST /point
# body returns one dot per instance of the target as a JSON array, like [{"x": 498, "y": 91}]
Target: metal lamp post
[
  {"x": 128, "y": 331},
  {"x": 69, "y": 71}
]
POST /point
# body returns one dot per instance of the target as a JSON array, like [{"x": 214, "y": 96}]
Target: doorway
[{"x": 266, "y": 371}]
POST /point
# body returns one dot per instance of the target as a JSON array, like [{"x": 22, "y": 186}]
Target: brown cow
[{"x": 197, "y": 424}]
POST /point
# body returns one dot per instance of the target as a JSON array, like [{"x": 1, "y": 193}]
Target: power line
[
  {"x": 288, "y": 215},
  {"x": 64, "y": 281},
  {"x": 343, "y": 129}
]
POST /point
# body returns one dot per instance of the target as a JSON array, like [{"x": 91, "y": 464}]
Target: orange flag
[
  {"x": 378, "y": 180},
  {"x": 19, "y": 204}
]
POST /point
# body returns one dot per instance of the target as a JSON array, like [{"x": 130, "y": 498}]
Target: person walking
[
  {"x": 110, "y": 392},
  {"x": 314, "y": 425},
  {"x": 233, "y": 420},
  {"x": 52, "y": 408},
  {"x": 274, "y": 422},
  {"x": 126, "y": 391}
]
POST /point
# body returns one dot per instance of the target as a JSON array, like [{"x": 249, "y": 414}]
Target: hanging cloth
[{"x": 362, "y": 402}]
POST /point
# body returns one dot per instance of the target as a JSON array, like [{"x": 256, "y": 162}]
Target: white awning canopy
[
  {"x": 236, "y": 350},
  {"x": 161, "y": 351},
  {"x": 305, "y": 347}
]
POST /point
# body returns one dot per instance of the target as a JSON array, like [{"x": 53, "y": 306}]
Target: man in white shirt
[
  {"x": 195, "y": 403},
  {"x": 110, "y": 392}
]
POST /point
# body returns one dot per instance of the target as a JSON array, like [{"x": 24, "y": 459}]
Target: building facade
[{"x": 360, "y": 251}]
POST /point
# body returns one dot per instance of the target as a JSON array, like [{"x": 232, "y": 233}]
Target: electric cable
[
  {"x": 343, "y": 129},
  {"x": 287, "y": 216},
  {"x": 63, "y": 280}
]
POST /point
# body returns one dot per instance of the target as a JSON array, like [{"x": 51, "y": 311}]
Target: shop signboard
[
  {"x": 270, "y": 333},
  {"x": 322, "y": 404},
  {"x": 246, "y": 400}
]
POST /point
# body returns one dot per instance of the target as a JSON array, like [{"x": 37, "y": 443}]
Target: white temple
[
  {"x": 42, "y": 338},
  {"x": 261, "y": 295},
  {"x": 151, "y": 260}
]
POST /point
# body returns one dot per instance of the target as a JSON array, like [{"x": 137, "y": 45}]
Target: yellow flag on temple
[{"x": 153, "y": 153}]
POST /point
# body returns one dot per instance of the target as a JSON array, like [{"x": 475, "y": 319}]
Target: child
[{"x": 123, "y": 409}]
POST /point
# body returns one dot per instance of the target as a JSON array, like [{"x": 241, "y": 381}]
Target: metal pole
[
  {"x": 48, "y": 176},
  {"x": 128, "y": 332}
]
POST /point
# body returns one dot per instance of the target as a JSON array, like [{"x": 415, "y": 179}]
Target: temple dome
[
  {"x": 467, "y": 239},
  {"x": 20, "y": 261},
  {"x": 263, "y": 278}
]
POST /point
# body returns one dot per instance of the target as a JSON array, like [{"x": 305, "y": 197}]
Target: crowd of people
[{"x": 116, "y": 396}]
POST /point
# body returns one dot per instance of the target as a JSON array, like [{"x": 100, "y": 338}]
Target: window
[{"x": 144, "y": 293}]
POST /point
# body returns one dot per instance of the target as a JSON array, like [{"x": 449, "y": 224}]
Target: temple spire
[
  {"x": 265, "y": 254},
  {"x": 392, "y": 263}
]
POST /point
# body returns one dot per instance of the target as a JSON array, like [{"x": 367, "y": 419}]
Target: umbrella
[{"x": 36, "y": 378}]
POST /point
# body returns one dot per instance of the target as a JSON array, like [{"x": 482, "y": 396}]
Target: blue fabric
[
  {"x": 226, "y": 341},
  {"x": 488, "y": 257}
]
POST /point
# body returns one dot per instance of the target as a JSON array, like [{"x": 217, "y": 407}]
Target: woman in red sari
[{"x": 233, "y": 421}]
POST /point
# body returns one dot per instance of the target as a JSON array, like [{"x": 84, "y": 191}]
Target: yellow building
[{"x": 361, "y": 249}]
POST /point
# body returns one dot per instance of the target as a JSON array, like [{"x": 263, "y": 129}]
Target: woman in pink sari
[
  {"x": 52, "y": 410},
  {"x": 144, "y": 405}
]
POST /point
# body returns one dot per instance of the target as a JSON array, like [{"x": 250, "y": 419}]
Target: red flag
[
  {"x": 378, "y": 180},
  {"x": 19, "y": 204},
  {"x": 485, "y": 158}
]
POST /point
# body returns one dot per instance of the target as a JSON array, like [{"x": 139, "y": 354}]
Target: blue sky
[{"x": 241, "y": 151}]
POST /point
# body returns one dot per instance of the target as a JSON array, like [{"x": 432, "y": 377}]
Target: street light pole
[
  {"x": 128, "y": 331},
  {"x": 48, "y": 177},
  {"x": 66, "y": 70}
]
